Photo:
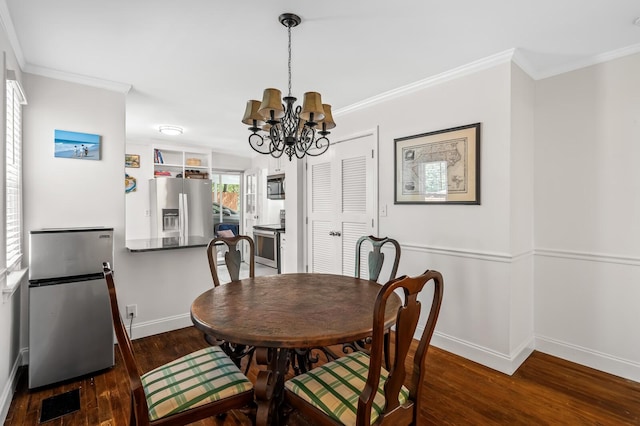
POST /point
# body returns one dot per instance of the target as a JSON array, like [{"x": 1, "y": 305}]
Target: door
[
  {"x": 165, "y": 207},
  {"x": 197, "y": 208},
  {"x": 342, "y": 188},
  {"x": 70, "y": 331},
  {"x": 253, "y": 199}
]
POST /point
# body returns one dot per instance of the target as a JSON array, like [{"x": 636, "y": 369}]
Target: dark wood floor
[{"x": 544, "y": 391}]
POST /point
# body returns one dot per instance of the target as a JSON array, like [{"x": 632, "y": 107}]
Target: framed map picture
[{"x": 441, "y": 167}]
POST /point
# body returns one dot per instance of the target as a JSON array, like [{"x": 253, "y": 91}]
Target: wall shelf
[{"x": 175, "y": 162}]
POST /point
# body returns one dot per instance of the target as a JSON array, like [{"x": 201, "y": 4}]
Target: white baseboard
[
  {"x": 600, "y": 361},
  {"x": 506, "y": 364},
  {"x": 12, "y": 382},
  {"x": 160, "y": 325}
]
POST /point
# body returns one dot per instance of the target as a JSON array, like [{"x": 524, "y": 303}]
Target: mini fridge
[{"x": 70, "y": 329}]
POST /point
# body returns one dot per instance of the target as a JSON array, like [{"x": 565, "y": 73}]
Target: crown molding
[
  {"x": 7, "y": 24},
  {"x": 587, "y": 62},
  {"x": 470, "y": 68},
  {"x": 77, "y": 78},
  {"x": 514, "y": 55}
]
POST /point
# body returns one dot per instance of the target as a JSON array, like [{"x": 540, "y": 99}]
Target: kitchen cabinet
[
  {"x": 277, "y": 165},
  {"x": 174, "y": 162}
]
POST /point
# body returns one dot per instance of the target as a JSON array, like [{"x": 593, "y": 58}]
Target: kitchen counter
[
  {"x": 167, "y": 243},
  {"x": 275, "y": 228}
]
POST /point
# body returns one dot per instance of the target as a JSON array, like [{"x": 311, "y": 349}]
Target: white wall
[
  {"x": 473, "y": 246},
  {"x": 138, "y": 223},
  {"x": 521, "y": 226},
  {"x": 569, "y": 288},
  {"x": 67, "y": 192},
  {"x": 587, "y": 205},
  {"x": 62, "y": 192},
  {"x": 71, "y": 192}
]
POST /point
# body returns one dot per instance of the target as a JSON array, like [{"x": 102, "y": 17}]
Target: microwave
[{"x": 275, "y": 187}]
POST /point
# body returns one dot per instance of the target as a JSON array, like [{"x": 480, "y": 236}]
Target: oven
[{"x": 267, "y": 245}]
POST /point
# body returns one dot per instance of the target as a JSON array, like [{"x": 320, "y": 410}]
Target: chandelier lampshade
[
  {"x": 271, "y": 106},
  {"x": 251, "y": 115},
  {"x": 279, "y": 127},
  {"x": 327, "y": 122},
  {"x": 312, "y": 107}
]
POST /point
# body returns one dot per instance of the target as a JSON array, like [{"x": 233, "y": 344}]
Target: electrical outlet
[{"x": 132, "y": 311}]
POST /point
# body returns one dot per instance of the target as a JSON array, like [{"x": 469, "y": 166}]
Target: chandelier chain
[
  {"x": 290, "y": 129},
  {"x": 289, "y": 64}
]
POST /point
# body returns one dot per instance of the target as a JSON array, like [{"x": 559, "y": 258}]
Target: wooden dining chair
[
  {"x": 202, "y": 384},
  {"x": 233, "y": 263},
  {"x": 356, "y": 389},
  {"x": 232, "y": 256},
  {"x": 375, "y": 261}
]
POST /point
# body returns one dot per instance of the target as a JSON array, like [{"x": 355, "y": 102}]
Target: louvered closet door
[{"x": 342, "y": 202}]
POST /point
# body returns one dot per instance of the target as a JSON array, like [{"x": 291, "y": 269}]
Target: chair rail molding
[
  {"x": 590, "y": 257},
  {"x": 482, "y": 255}
]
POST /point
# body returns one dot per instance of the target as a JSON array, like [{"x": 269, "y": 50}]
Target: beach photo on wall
[{"x": 83, "y": 146}]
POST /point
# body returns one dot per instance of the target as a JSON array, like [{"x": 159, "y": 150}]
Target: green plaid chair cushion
[
  {"x": 335, "y": 387},
  {"x": 191, "y": 381}
]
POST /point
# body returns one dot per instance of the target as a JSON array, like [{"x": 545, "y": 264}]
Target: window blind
[{"x": 13, "y": 170}]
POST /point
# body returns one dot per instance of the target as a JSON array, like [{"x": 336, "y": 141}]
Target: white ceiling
[{"x": 195, "y": 63}]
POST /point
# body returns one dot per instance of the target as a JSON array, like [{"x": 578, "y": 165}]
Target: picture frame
[
  {"x": 81, "y": 146},
  {"x": 440, "y": 167},
  {"x": 132, "y": 161},
  {"x": 130, "y": 184}
]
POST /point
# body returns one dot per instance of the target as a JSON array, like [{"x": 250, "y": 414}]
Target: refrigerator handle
[
  {"x": 185, "y": 215},
  {"x": 180, "y": 214}
]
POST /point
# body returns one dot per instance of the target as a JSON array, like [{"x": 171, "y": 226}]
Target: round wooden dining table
[{"x": 282, "y": 314}]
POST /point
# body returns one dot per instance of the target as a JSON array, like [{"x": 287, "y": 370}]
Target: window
[
  {"x": 226, "y": 197},
  {"x": 13, "y": 170}
]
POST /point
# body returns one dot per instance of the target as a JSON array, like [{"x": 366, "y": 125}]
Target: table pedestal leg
[{"x": 269, "y": 387}]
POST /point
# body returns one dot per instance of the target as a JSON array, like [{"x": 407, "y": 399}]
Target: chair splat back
[
  {"x": 406, "y": 325},
  {"x": 356, "y": 390},
  {"x": 157, "y": 398},
  {"x": 232, "y": 258},
  {"x": 376, "y": 257},
  {"x": 126, "y": 350}
]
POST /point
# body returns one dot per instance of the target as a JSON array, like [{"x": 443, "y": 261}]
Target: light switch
[{"x": 383, "y": 210}]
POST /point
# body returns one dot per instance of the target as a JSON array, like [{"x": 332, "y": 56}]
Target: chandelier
[{"x": 283, "y": 128}]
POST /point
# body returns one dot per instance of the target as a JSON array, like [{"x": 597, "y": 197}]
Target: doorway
[{"x": 226, "y": 196}]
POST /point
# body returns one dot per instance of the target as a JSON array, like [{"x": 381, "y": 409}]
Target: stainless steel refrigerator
[
  {"x": 180, "y": 208},
  {"x": 70, "y": 328}
]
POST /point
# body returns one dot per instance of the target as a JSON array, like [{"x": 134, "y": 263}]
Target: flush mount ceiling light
[
  {"x": 170, "y": 130},
  {"x": 278, "y": 128}
]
